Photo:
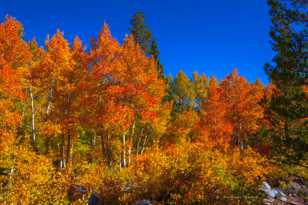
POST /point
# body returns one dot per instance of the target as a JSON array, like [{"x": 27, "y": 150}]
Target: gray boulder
[{"x": 143, "y": 202}]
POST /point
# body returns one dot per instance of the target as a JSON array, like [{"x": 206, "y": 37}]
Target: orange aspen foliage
[
  {"x": 11, "y": 93},
  {"x": 68, "y": 73},
  {"x": 125, "y": 75},
  {"x": 14, "y": 54},
  {"x": 41, "y": 81},
  {"x": 243, "y": 108},
  {"x": 106, "y": 73},
  {"x": 13, "y": 49},
  {"x": 216, "y": 130},
  {"x": 124, "y": 88},
  {"x": 143, "y": 88}
]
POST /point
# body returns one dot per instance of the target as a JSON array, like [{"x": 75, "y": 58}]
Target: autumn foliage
[{"x": 103, "y": 117}]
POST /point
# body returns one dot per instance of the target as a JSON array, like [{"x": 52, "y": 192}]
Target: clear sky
[{"x": 208, "y": 36}]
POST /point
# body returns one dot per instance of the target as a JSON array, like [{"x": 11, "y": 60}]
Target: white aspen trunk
[
  {"x": 63, "y": 161},
  {"x": 144, "y": 143},
  {"x": 47, "y": 110},
  {"x": 133, "y": 129},
  {"x": 33, "y": 118},
  {"x": 11, "y": 182},
  {"x": 124, "y": 150},
  {"x": 130, "y": 145},
  {"x": 93, "y": 141},
  {"x": 129, "y": 155}
]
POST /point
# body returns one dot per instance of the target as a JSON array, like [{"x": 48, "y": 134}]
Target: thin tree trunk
[
  {"x": 144, "y": 143},
  {"x": 123, "y": 150},
  {"x": 130, "y": 144},
  {"x": 63, "y": 162},
  {"x": 129, "y": 155},
  {"x": 59, "y": 156},
  {"x": 93, "y": 140},
  {"x": 48, "y": 106},
  {"x": 33, "y": 119}
]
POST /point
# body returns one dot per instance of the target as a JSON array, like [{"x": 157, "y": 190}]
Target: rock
[
  {"x": 295, "y": 186},
  {"x": 143, "y": 202},
  {"x": 272, "y": 192},
  {"x": 296, "y": 200},
  {"x": 283, "y": 198},
  {"x": 76, "y": 192},
  {"x": 278, "y": 196},
  {"x": 268, "y": 201},
  {"x": 95, "y": 199},
  {"x": 305, "y": 190}
]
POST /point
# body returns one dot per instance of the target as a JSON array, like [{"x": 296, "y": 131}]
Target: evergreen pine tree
[
  {"x": 289, "y": 74},
  {"x": 143, "y": 36}
]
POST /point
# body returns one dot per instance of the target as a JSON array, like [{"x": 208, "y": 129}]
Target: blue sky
[{"x": 207, "y": 36}]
